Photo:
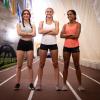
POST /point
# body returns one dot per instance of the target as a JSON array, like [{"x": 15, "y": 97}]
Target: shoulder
[
  {"x": 56, "y": 22},
  {"x": 18, "y": 25},
  {"x": 64, "y": 26},
  {"x": 78, "y": 24},
  {"x": 41, "y": 22},
  {"x": 33, "y": 24}
]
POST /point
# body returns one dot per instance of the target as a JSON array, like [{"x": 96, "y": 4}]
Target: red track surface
[{"x": 91, "y": 82}]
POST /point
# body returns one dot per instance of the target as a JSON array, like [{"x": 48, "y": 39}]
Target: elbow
[
  {"x": 61, "y": 36},
  {"x": 34, "y": 35}
]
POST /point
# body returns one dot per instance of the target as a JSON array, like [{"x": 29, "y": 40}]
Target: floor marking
[
  {"x": 15, "y": 75},
  {"x": 32, "y": 91},
  {"x": 70, "y": 87},
  {"x": 86, "y": 76}
]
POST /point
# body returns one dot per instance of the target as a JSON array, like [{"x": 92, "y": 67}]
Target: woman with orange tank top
[{"x": 71, "y": 32}]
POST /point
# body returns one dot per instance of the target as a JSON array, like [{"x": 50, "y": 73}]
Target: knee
[
  {"x": 19, "y": 67},
  {"x": 77, "y": 67},
  {"x": 29, "y": 66},
  {"x": 66, "y": 63},
  {"x": 41, "y": 65}
]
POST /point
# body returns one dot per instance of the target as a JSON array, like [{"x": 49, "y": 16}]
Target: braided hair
[{"x": 23, "y": 18}]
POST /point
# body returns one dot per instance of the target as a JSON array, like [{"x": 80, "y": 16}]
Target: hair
[
  {"x": 51, "y": 9},
  {"x": 23, "y": 18},
  {"x": 73, "y": 11}
]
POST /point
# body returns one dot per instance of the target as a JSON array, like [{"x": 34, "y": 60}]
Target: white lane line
[
  {"x": 92, "y": 79},
  {"x": 10, "y": 78},
  {"x": 32, "y": 91},
  {"x": 13, "y": 67},
  {"x": 89, "y": 77},
  {"x": 70, "y": 87},
  {"x": 7, "y": 69},
  {"x": 15, "y": 75}
]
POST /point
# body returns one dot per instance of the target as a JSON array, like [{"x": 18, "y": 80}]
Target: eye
[
  {"x": 26, "y": 14},
  {"x": 49, "y": 11}
]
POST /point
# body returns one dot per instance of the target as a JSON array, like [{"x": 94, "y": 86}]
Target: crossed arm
[
  {"x": 72, "y": 36},
  {"x": 50, "y": 32},
  {"x": 26, "y": 34}
]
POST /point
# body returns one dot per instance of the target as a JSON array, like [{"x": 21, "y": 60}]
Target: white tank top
[
  {"x": 48, "y": 39},
  {"x": 26, "y": 29}
]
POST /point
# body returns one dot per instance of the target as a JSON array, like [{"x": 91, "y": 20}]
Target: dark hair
[
  {"x": 73, "y": 11},
  {"x": 23, "y": 18}
]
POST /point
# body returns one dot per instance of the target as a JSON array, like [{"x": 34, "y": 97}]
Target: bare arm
[
  {"x": 20, "y": 33},
  {"x": 26, "y": 34},
  {"x": 63, "y": 33},
  {"x": 76, "y": 36},
  {"x": 33, "y": 33},
  {"x": 56, "y": 30},
  {"x": 41, "y": 30}
]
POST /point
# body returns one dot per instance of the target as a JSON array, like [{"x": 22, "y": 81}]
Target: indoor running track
[{"x": 90, "y": 80}]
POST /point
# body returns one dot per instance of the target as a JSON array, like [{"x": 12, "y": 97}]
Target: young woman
[
  {"x": 49, "y": 29},
  {"x": 26, "y": 31},
  {"x": 71, "y": 32}
]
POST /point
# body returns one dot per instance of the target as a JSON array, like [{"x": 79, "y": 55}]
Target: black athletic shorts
[
  {"x": 25, "y": 45},
  {"x": 50, "y": 47},
  {"x": 71, "y": 50}
]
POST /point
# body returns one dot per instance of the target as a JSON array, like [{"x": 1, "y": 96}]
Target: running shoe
[
  {"x": 58, "y": 88},
  {"x": 81, "y": 88},
  {"x": 31, "y": 86},
  {"x": 65, "y": 88},
  {"x": 17, "y": 86}
]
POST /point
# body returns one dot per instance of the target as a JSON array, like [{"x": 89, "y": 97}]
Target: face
[
  {"x": 26, "y": 15},
  {"x": 71, "y": 16},
  {"x": 49, "y": 12}
]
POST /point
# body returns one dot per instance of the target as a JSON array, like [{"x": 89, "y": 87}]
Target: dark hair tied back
[{"x": 23, "y": 18}]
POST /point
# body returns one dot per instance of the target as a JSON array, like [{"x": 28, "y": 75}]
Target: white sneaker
[
  {"x": 65, "y": 88},
  {"x": 81, "y": 88},
  {"x": 58, "y": 88},
  {"x": 38, "y": 88}
]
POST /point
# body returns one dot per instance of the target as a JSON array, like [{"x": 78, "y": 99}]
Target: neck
[
  {"x": 72, "y": 21},
  {"x": 49, "y": 19},
  {"x": 26, "y": 21}
]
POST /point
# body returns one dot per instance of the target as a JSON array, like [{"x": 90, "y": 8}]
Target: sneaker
[
  {"x": 17, "y": 86},
  {"x": 65, "y": 88},
  {"x": 31, "y": 86},
  {"x": 80, "y": 88},
  {"x": 38, "y": 88},
  {"x": 58, "y": 88}
]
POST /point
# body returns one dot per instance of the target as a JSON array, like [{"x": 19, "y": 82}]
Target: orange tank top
[{"x": 71, "y": 30}]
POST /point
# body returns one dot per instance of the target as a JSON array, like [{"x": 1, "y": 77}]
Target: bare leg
[
  {"x": 20, "y": 57},
  {"x": 54, "y": 55},
  {"x": 66, "y": 57},
  {"x": 30, "y": 65},
  {"x": 76, "y": 57},
  {"x": 43, "y": 55}
]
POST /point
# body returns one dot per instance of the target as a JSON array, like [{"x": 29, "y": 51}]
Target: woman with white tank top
[
  {"x": 26, "y": 31},
  {"x": 49, "y": 29}
]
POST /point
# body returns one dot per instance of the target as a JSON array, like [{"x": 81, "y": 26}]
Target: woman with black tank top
[{"x": 26, "y": 31}]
